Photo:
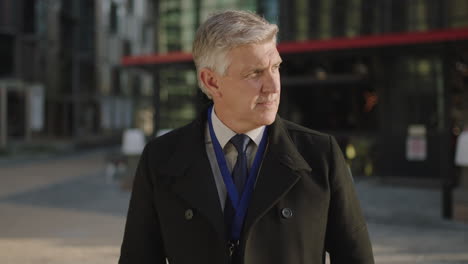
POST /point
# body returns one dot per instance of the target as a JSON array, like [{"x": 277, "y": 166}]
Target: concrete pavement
[
  {"x": 60, "y": 211},
  {"x": 64, "y": 211},
  {"x": 406, "y": 227}
]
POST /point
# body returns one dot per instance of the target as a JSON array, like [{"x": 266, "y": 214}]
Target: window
[
  {"x": 302, "y": 20},
  {"x": 130, "y": 4},
  {"x": 420, "y": 84},
  {"x": 41, "y": 17},
  {"x": 178, "y": 90},
  {"x": 332, "y": 95},
  {"x": 458, "y": 13},
  {"x": 270, "y": 9},
  {"x": 113, "y": 18},
  {"x": 29, "y": 16},
  {"x": 325, "y": 16},
  {"x": 353, "y": 19},
  {"x": 6, "y": 53},
  {"x": 170, "y": 26},
  {"x": 417, "y": 15},
  {"x": 7, "y": 13}
]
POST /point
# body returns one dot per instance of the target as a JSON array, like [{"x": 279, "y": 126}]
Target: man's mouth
[{"x": 267, "y": 103}]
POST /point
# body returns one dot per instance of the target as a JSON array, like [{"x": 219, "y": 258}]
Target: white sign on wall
[
  {"x": 37, "y": 102},
  {"x": 461, "y": 149},
  {"x": 416, "y": 143}
]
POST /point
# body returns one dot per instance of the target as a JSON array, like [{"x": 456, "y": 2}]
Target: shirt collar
[{"x": 224, "y": 133}]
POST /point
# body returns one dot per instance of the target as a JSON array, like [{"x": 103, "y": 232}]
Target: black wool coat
[{"x": 303, "y": 205}]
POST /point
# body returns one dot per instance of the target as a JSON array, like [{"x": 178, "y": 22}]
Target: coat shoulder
[
  {"x": 161, "y": 149},
  {"x": 297, "y": 131},
  {"x": 169, "y": 139}
]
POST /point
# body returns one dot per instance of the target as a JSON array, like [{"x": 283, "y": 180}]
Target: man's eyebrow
[
  {"x": 278, "y": 62},
  {"x": 254, "y": 68},
  {"x": 262, "y": 66}
]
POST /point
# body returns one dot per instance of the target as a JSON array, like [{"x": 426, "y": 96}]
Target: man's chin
[{"x": 269, "y": 118}]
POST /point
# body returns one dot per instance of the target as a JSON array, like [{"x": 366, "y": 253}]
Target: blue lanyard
[{"x": 239, "y": 204}]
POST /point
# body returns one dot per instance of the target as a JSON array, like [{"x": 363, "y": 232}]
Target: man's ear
[{"x": 209, "y": 78}]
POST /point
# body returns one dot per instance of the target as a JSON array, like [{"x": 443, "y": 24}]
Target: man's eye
[{"x": 254, "y": 74}]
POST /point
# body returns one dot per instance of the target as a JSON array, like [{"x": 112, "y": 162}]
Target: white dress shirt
[{"x": 224, "y": 134}]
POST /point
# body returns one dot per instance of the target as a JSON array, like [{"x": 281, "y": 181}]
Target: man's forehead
[{"x": 256, "y": 54}]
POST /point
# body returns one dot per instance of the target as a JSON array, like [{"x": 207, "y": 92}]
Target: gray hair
[{"x": 224, "y": 31}]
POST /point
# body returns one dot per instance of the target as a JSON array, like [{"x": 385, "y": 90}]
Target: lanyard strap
[{"x": 239, "y": 203}]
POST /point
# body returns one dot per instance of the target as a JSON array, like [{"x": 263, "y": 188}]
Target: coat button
[
  {"x": 287, "y": 213},
  {"x": 188, "y": 214}
]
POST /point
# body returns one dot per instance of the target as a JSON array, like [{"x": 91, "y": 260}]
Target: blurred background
[{"x": 84, "y": 83}]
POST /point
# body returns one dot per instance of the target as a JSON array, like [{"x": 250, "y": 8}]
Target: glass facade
[
  {"x": 113, "y": 18},
  {"x": 357, "y": 94},
  {"x": 418, "y": 15},
  {"x": 178, "y": 21},
  {"x": 324, "y": 19},
  {"x": 41, "y": 17},
  {"x": 301, "y": 20},
  {"x": 270, "y": 10},
  {"x": 418, "y": 84},
  {"x": 8, "y": 20},
  {"x": 302, "y": 24},
  {"x": 6, "y": 53},
  {"x": 178, "y": 88},
  {"x": 458, "y": 13},
  {"x": 353, "y": 18}
]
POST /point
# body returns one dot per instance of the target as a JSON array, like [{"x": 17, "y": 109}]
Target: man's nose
[{"x": 271, "y": 83}]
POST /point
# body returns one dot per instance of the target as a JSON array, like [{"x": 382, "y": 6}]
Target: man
[{"x": 240, "y": 184}]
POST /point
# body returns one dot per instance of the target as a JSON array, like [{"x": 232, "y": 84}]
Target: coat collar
[
  {"x": 192, "y": 177},
  {"x": 281, "y": 169}
]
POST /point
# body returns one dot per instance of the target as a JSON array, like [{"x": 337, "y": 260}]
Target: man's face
[{"x": 249, "y": 92}]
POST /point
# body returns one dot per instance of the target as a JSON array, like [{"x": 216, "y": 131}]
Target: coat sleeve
[
  {"x": 347, "y": 238},
  {"x": 142, "y": 242}
]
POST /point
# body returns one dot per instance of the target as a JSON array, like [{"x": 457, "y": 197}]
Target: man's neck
[
  {"x": 224, "y": 133},
  {"x": 235, "y": 125}
]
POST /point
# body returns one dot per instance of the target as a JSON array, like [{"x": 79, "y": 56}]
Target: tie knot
[{"x": 240, "y": 142}]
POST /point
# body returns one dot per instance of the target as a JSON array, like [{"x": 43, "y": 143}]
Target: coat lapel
[
  {"x": 282, "y": 167},
  {"x": 192, "y": 178}
]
